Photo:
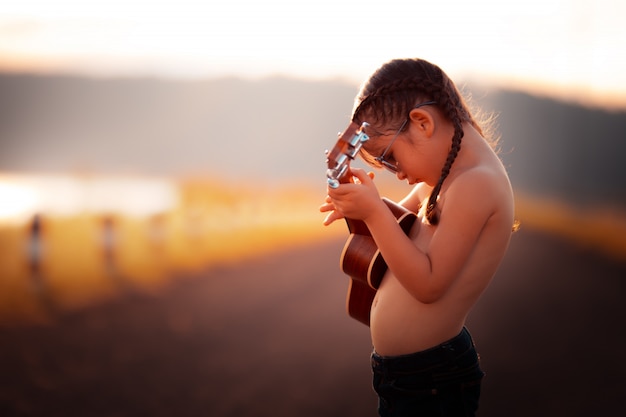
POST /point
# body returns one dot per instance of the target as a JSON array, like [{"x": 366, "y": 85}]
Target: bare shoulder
[{"x": 481, "y": 191}]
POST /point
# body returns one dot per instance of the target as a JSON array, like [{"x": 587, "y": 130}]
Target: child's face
[
  {"x": 405, "y": 153},
  {"x": 407, "y": 149}
]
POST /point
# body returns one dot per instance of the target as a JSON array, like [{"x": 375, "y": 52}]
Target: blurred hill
[
  {"x": 562, "y": 150},
  {"x": 277, "y": 129}
]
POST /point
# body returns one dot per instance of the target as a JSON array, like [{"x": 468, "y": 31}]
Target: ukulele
[{"x": 360, "y": 259}]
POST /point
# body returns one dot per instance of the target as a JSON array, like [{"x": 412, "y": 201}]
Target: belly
[{"x": 401, "y": 325}]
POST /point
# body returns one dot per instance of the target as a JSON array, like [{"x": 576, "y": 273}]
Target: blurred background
[{"x": 161, "y": 165}]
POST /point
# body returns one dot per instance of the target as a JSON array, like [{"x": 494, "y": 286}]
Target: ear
[{"x": 422, "y": 120}]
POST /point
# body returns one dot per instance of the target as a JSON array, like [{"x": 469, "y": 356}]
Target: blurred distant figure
[
  {"x": 35, "y": 252},
  {"x": 410, "y": 118},
  {"x": 36, "y": 261}
]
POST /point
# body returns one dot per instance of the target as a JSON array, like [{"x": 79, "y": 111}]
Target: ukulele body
[{"x": 362, "y": 261}]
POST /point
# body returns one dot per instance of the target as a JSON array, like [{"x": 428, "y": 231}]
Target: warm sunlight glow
[
  {"x": 134, "y": 197},
  {"x": 573, "y": 45},
  {"x": 22, "y": 196},
  {"x": 602, "y": 229},
  {"x": 141, "y": 232},
  {"x": 16, "y": 200}
]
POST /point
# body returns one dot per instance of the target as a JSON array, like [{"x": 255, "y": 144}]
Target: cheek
[
  {"x": 415, "y": 163},
  {"x": 410, "y": 158}
]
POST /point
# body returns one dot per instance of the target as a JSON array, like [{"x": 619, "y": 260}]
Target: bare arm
[
  {"x": 427, "y": 274},
  {"x": 413, "y": 200}
]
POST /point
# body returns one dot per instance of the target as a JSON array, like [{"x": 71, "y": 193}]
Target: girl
[{"x": 424, "y": 361}]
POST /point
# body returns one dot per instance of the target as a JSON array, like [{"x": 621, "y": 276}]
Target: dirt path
[{"x": 271, "y": 338}]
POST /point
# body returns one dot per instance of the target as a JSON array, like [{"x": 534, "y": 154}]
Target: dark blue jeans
[{"x": 440, "y": 381}]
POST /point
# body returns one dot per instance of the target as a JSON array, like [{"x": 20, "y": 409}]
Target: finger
[
  {"x": 332, "y": 216},
  {"x": 361, "y": 175},
  {"x": 326, "y": 207}
]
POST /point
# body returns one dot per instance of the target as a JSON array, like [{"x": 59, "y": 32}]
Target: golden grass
[
  {"x": 82, "y": 265},
  {"x": 89, "y": 258}
]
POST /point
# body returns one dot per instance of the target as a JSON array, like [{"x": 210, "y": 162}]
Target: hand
[
  {"x": 358, "y": 199},
  {"x": 333, "y": 215}
]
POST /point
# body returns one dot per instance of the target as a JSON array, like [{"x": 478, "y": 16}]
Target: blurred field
[
  {"x": 602, "y": 229},
  {"x": 270, "y": 337},
  {"x": 231, "y": 303},
  {"x": 67, "y": 262},
  {"x": 52, "y": 263}
]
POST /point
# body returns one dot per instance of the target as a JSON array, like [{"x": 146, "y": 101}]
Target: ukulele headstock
[{"x": 345, "y": 150}]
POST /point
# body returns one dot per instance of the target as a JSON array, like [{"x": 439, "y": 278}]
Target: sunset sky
[{"x": 572, "y": 47}]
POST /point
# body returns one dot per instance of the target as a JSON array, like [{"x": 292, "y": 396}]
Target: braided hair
[{"x": 395, "y": 88}]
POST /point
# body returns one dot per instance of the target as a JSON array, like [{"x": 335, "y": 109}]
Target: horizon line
[{"x": 578, "y": 95}]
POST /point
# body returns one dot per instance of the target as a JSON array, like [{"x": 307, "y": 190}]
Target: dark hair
[{"x": 395, "y": 88}]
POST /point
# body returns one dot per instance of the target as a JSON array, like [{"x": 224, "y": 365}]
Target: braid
[
  {"x": 393, "y": 91},
  {"x": 431, "y": 214},
  {"x": 393, "y": 100},
  {"x": 455, "y": 111}
]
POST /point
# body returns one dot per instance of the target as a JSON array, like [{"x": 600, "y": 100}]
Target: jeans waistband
[{"x": 424, "y": 359}]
